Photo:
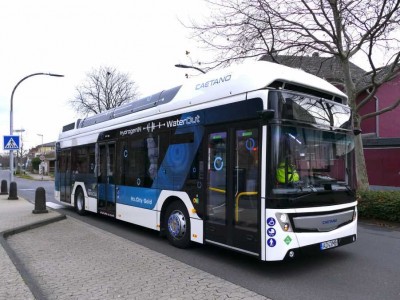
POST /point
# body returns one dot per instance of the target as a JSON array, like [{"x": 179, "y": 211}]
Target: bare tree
[
  {"x": 335, "y": 28},
  {"x": 104, "y": 89}
]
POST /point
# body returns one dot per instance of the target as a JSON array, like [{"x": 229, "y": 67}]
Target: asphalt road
[{"x": 367, "y": 269}]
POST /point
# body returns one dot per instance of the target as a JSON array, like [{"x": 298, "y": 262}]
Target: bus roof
[
  {"x": 251, "y": 76},
  {"x": 218, "y": 84}
]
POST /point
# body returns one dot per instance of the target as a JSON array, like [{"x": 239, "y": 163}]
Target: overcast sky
[{"x": 72, "y": 37}]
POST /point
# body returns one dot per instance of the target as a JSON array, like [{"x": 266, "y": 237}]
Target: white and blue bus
[{"x": 257, "y": 158}]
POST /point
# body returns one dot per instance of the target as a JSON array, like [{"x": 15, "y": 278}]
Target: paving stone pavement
[
  {"x": 69, "y": 259},
  {"x": 12, "y": 285}
]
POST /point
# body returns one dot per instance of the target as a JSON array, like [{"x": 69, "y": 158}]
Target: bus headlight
[{"x": 284, "y": 222}]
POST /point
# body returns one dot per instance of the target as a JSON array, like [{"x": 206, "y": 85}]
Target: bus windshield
[{"x": 307, "y": 160}]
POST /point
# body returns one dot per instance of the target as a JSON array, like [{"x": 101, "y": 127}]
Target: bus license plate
[{"x": 329, "y": 244}]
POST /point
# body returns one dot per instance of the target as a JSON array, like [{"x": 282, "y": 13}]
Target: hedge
[{"x": 380, "y": 205}]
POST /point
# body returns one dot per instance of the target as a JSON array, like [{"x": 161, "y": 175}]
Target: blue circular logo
[
  {"x": 271, "y": 222},
  {"x": 250, "y": 144},
  {"x": 271, "y": 242},
  {"x": 218, "y": 163},
  {"x": 271, "y": 232}
]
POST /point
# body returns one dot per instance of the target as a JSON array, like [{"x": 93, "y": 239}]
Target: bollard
[
  {"x": 40, "y": 201},
  {"x": 13, "y": 191},
  {"x": 4, "y": 188}
]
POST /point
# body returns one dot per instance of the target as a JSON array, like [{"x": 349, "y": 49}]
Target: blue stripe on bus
[
  {"x": 106, "y": 192},
  {"x": 137, "y": 196},
  {"x": 178, "y": 160}
]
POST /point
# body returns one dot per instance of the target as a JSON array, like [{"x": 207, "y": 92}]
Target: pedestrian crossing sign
[{"x": 11, "y": 142}]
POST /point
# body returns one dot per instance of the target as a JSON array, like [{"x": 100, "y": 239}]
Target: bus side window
[
  {"x": 92, "y": 161},
  {"x": 152, "y": 156},
  {"x": 140, "y": 161}
]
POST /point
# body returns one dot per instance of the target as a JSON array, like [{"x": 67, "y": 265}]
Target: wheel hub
[
  {"x": 177, "y": 224},
  {"x": 80, "y": 202}
]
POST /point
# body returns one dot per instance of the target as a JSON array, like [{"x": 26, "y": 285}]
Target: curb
[{"x": 26, "y": 276}]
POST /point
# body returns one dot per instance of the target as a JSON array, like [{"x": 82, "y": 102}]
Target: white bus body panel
[
  {"x": 139, "y": 216},
  {"x": 91, "y": 204},
  {"x": 145, "y": 217},
  {"x": 276, "y": 247},
  {"x": 249, "y": 76},
  {"x": 263, "y": 188}
]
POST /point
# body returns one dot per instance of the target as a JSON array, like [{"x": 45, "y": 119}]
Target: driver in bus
[{"x": 287, "y": 173}]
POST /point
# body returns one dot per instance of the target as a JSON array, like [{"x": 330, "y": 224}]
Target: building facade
[{"x": 381, "y": 136}]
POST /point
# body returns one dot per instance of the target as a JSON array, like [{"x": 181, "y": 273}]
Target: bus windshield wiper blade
[{"x": 302, "y": 197}]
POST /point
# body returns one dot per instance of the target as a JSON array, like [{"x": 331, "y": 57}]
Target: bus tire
[
  {"x": 80, "y": 202},
  {"x": 177, "y": 224}
]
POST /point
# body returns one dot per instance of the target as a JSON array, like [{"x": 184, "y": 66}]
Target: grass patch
[{"x": 24, "y": 176}]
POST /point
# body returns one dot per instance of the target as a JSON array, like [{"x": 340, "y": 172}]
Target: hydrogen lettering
[{"x": 130, "y": 131}]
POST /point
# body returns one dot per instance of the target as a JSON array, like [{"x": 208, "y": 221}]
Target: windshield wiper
[
  {"x": 300, "y": 186},
  {"x": 304, "y": 197}
]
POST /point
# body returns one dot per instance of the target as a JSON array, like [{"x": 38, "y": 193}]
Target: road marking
[
  {"x": 26, "y": 189},
  {"x": 54, "y": 205}
]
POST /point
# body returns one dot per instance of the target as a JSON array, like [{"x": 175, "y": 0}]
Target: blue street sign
[{"x": 10, "y": 142}]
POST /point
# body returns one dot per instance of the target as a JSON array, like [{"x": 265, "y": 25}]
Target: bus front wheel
[
  {"x": 80, "y": 202},
  {"x": 177, "y": 223}
]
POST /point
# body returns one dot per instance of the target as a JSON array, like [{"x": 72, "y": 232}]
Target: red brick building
[{"x": 381, "y": 137}]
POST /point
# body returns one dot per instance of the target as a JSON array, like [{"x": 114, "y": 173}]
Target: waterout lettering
[{"x": 186, "y": 121}]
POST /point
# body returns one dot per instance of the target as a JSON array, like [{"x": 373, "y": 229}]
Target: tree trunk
[{"x": 361, "y": 167}]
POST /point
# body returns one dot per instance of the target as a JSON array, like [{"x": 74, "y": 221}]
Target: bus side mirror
[{"x": 267, "y": 114}]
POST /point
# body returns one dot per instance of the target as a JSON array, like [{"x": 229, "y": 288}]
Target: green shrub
[
  {"x": 35, "y": 163},
  {"x": 380, "y": 205}
]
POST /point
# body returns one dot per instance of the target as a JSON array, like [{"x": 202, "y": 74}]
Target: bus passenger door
[
  {"x": 64, "y": 169},
  {"x": 232, "y": 205},
  {"x": 106, "y": 183}
]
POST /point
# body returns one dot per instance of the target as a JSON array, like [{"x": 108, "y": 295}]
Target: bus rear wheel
[
  {"x": 177, "y": 223},
  {"x": 80, "y": 202}
]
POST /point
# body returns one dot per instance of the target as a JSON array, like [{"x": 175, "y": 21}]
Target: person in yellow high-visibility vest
[{"x": 291, "y": 176}]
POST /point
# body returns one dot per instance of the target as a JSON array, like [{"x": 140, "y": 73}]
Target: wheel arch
[
  {"x": 78, "y": 185},
  {"x": 196, "y": 223}
]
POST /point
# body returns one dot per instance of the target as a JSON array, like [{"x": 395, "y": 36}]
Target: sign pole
[{"x": 11, "y": 133}]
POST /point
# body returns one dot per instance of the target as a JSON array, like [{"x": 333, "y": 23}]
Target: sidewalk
[{"x": 50, "y": 256}]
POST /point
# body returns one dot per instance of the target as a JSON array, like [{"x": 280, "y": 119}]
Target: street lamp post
[
  {"x": 190, "y": 67},
  {"x": 41, "y": 153},
  {"x": 11, "y": 116},
  {"x": 19, "y": 153}
]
